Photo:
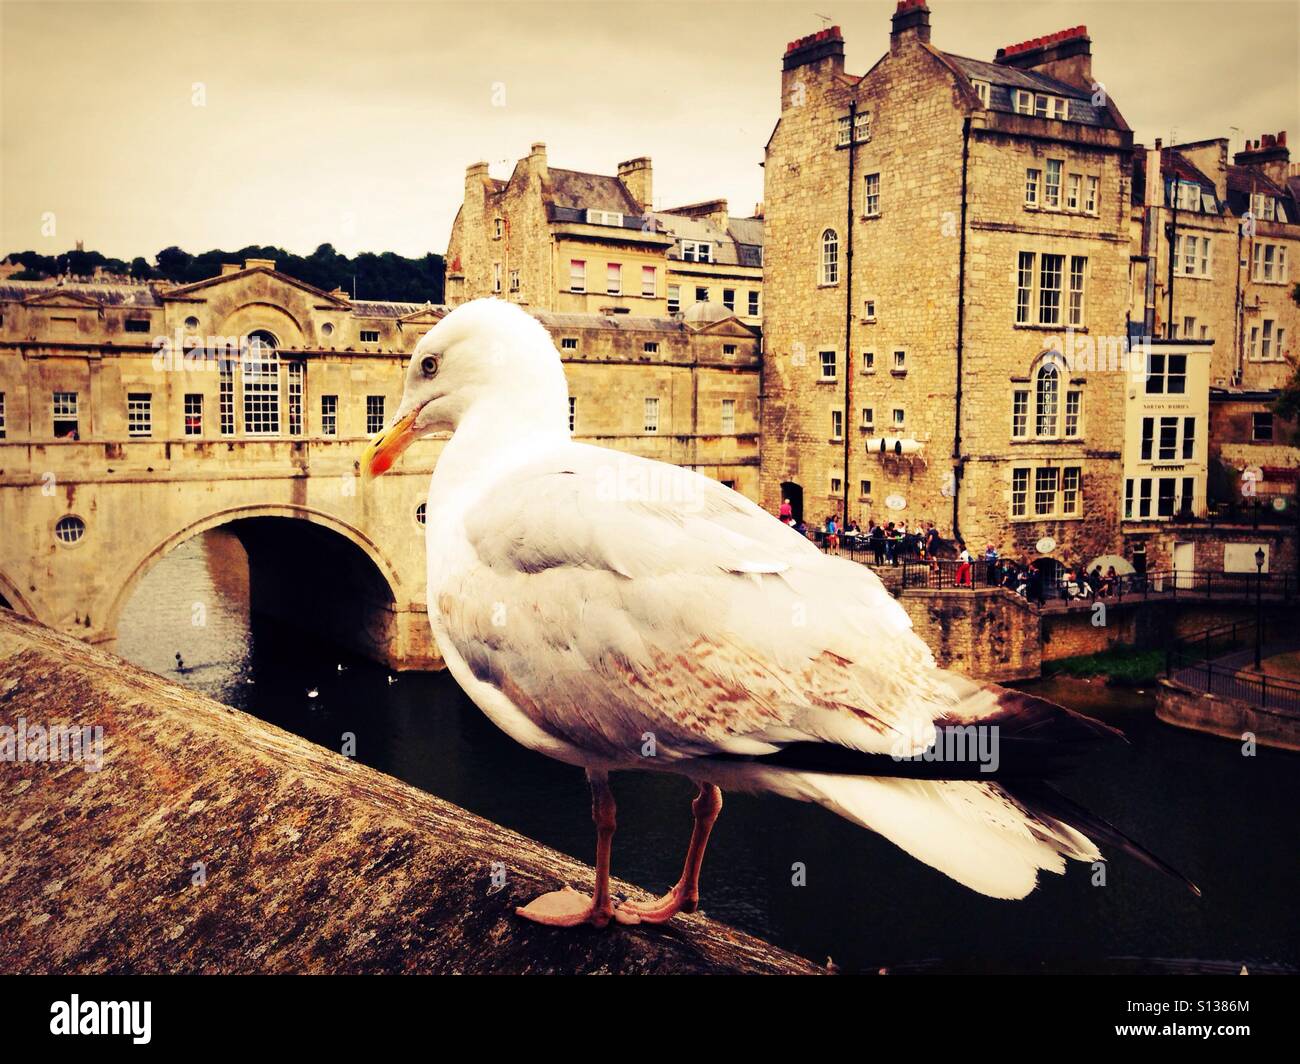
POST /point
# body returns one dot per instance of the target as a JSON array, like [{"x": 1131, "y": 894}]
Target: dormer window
[
  {"x": 1041, "y": 105},
  {"x": 604, "y": 218},
  {"x": 697, "y": 251},
  {"x": 982, "y": 91},
  {"x": 1267, "y": 207}
]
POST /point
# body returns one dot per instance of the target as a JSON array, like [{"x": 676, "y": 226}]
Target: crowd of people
[{"x": 894, "y": 542}]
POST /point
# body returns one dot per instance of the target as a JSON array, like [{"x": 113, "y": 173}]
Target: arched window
[
  {"x": 261, "y": 365},
  {"x": 1047, "y": 399},
  {"x": 830, "y": 257}
]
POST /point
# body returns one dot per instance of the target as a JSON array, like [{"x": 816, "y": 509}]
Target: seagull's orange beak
[{"x": 387, "y": 445}]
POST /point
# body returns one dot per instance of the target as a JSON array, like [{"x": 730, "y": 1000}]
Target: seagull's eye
[{"x": 429, "y": 365}]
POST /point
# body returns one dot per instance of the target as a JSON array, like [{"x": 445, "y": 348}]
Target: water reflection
[{"x": 1225, "y": 819}]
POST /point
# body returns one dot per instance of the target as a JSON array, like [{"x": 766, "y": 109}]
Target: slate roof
[
  {"x": 1003, "y": 80},
  {"x": 108, "y": 295},
  {"x": 578, "y": 190}
]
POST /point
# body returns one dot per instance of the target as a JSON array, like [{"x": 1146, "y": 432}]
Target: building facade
[
  {"x": 947, "y": 260},
  {"x": 576, "y": 242}
]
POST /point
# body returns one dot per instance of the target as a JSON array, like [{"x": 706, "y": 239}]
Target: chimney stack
[
  {"x": 637, "y": 176},
  {"x": 1065, "y": 55},
  {"x": 809, "y": 60},
  {"x": 537, "y": 162},
  {"x": 911, "y": 21},
  {"x": 1269, "y": 154}
]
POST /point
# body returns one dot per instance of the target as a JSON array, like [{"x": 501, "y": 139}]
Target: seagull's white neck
[{"x": 496, "y": 433}]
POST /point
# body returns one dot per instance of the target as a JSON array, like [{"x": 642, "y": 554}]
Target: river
[{"x": 1227, "y": 820}]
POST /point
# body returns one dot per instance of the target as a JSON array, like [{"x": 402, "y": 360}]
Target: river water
[{"x": 1227, "y": 820}]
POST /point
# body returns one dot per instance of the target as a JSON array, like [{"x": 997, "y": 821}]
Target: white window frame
[
  {"x": 871, "y": 196},
  {"x": 982, "y": 91},
  {"x": 861, "y": 127},
  {"x": 727, "y": 418},
  {"x": 837, "y": 424},
  {"x": 649, "y": 282},
  {"x": 597, "y": 217},
  {"x": 1033, "y": 183},
  {"x": 329, "y": 415},
  {"x": 1052, "y": 189},
  {"x": 1020, "y": 414},
  {"x": 697, "y": 251},
  {"x": 674, "y": 298},
  {"x": 833, "y": 364},
  {"x": 139, "y": 414},
  {"x": 650, "y": 422},
  {"x": 375, "y": 413},
  {"x": 828, "y": 269},
  {"x": 1091, "y": 194},
  {"x": 261, "y": 390}
]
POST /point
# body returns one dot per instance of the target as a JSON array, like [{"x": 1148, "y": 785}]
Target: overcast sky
[{"x": 352, "y": 122}]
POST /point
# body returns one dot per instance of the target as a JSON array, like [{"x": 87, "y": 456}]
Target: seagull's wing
[{"x": 615, "y": 598}]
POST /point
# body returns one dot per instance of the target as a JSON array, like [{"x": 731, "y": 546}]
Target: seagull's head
[{"x": 488, "y": 358}]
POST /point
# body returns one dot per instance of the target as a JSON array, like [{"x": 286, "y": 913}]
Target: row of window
[
  {"x": 1158, "y": 497},
  {"x": 1192, "y": 258},
  {"x": 1268, "y": 263},
  {"x": 578, "y": 278},
  {"x": 729, "y": 298},
  {"x": 1039, "y": 104},
  {"x": 261, "y": 409},
  {"x": 1176, "y": 440},
  {"x": 829, "y": 362},
  {"x": 1057, "y": 492},
  {"x": 1044, "y": 188},
  {"x": 1266, "y": 341},
  {"x": 897, "y": 421},
  {"x": 1048, "y": 294},
  {"x": 1053, "y": 419},
  {"x": 650, "y": 420}
]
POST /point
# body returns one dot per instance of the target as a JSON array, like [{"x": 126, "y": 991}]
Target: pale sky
[{"x": 352, "y": 122}]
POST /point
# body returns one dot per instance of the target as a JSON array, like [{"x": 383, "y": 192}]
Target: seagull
[
  {"x": 617, "y": 613},
  {"x": 342, "y": 667},
  {"x": 312, "y": 692},
  {"x": 391, "y": 679}
]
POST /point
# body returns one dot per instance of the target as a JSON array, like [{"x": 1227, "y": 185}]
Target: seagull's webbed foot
[
  {"x": 569, "y": 908},
  {"x": 661, "y": 910},
  {"x": 685, "y": 896}
]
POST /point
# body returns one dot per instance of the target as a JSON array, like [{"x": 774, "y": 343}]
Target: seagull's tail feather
[
  {"x": 973, "y": 832},
  {"x": 991, "y": 837}
]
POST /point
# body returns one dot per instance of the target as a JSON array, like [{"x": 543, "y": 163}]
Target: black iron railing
[{"x": 1211, "y": 661}]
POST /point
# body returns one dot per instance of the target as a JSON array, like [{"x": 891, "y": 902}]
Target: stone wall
[
  {"x": 988, "y": 633},
  {"x": 210, "y": 842}
]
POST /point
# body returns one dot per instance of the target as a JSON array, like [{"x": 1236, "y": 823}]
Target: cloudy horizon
[{"x": 206, "y": 125}]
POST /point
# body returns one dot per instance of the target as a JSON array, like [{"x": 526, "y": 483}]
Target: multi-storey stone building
[
  {"x": 1214, "y": 244},
  {"x": 576, "y": 242},
  {"x": 938, "y": 231},
  {"x": 134, "y": 416}
]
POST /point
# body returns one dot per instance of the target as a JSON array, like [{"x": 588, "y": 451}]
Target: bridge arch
[{"x": 278, "y": 552}]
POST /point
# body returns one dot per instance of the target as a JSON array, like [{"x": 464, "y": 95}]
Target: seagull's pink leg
[
  {"x": 685, "y": 896},
  {"x": 567, "y": 907}
]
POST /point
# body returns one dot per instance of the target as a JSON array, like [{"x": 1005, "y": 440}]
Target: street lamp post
[{"x": 1259, "y": 605}]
